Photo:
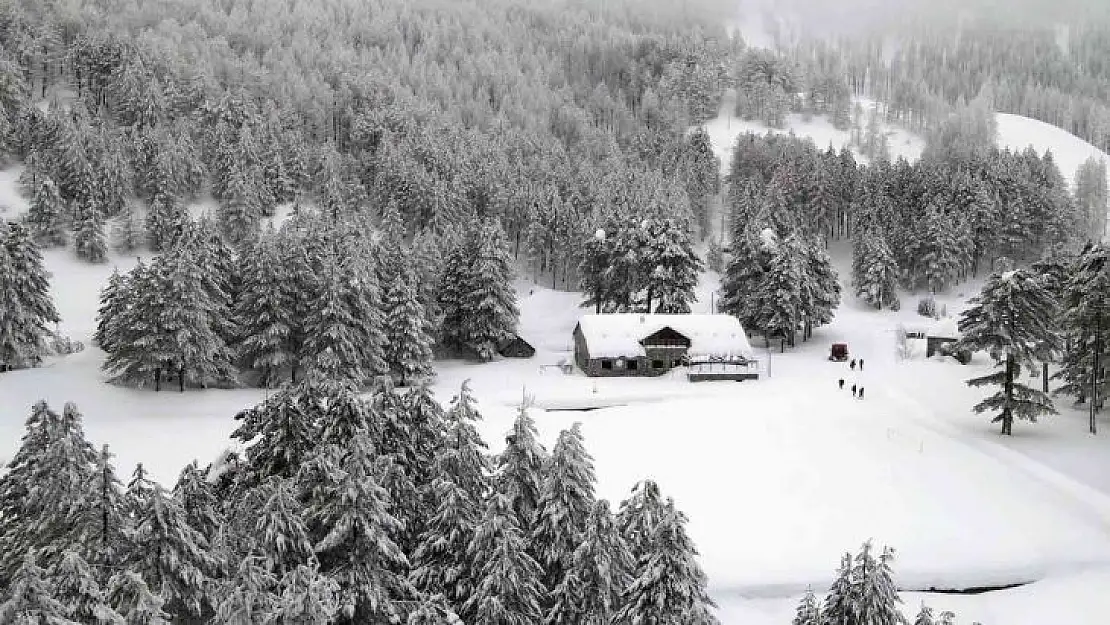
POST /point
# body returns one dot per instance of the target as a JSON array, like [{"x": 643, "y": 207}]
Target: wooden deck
[{"x": 729, "y": 371}]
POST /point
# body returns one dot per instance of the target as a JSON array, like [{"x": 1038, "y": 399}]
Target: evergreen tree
[
  {"x": 140, "y": 345},
  {"x": 114, "y": 301},
  {"x": 520, "y": 469},
  {"x": 488, "y": 302},
  {"x": 408, "y": 346},
  {"x": 104, "y": 512},
  {"x": 76, "y": 588},
  {"x": 1091, "y": 195},
  {"x": 356, "y": 548},
  {"x": 638, "y": 517},
  {"x": 171, "y": 555},
  {"x": 747, "y": 271},
  {"x": 439, "y": 562},
  {"x": 127, "y": 231},
  {"x": 433, "y": 610},
  {"x": 808, "y": 613},
  {"x": 925, "y": 616},
  {"x": 600, "y": 570},
  {"x": 876, "y": 597},
  {"x": 249, "y": 596},
  {"x": 839, "y": 606},
  {"x": 333, "y": 347},
  {"x": 241, "y": 211},
  {"x": 1010, "y": 319},
  {"x": 280, "y": 537},
  {"x": 307, "y": 598},
  {"x": 876, "y": 272},
  {"x": 166, "y": 217},
  {"x": 198, "y": 499},
  {"x": 45, "y": 214},
  {"x": 129, "y": 596},
  {"x": 282, "y": 433},
  {"x": 264, "y": 320},
  {"x": 24, "y": 284},
  {"x": 508, "y": 589},
  {"x": 88, "y": 238},
  {"x": 671, "y": 586},
  {"x": 1086, "y": 322},
  {"x": 671, "y": 267},
  {"x": 565, "y": 503},
  {"x": 592, "y": 271},
  {"x": 30, "y": 598}
]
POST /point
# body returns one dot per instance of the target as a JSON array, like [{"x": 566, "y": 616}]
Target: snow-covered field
[
  {"x": 1017, "y": 132},
  {"x": 778, "y": 476}
]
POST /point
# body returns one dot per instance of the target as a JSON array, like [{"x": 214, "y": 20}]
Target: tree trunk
[
  {"x": 1044, "y": 376},
  {"x": 1008, "y": 390},
  {"x": 181, "y": 379},
  {"x": 157, "y": 380}
]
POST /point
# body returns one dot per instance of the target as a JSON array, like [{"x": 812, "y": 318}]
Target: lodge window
[
  {"x": 657, "y": 364},
  {"x": 607, "y": 364},
  {"x": 633, "y": 365},
  {"x": 676, "y": 363}
]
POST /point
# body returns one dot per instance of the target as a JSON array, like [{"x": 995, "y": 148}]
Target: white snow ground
[{"x": 778, "y": 476}]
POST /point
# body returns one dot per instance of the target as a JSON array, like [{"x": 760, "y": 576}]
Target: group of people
[{"x": 857, "y": 391}]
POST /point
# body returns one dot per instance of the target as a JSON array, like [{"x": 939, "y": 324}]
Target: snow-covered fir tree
[
  {"x": 104, "y": 516},
  {"x": 670, "y": 265},
  {"x": 1085, "y": 322},
  {"x": 508, "y": 587},
  {"x": 638, "y": 516},
  {"x": 172, "y": 556},
  {"x": 248, "y": 596},
  {"x": 76, "y": 587},
  {"x": 565, "y": 503},
  {"x": 601, "y": 568},
  {"x": 839, "y": 605},
  {"x": 281, "y": 431},
  {"x": 45, "y": 215},
  {"x": 669, "y": 585},
  {"x": 808, "y": 612},
  {"x": 31, "y": 599},
  {"x": 408, "y": 346},
  {"x": 262, "y": 315},
  {"x": 280, "y": 538},
  {"x": 114, "y": 301},
  {"x": 131, "y": 597},
  {"x": 488, "y": 303},
  {"x": 875, "y": 271},
  {"x": 89, "y": 242},
  {"x": 877, "y": 598},
  {"x": 165, "y": 218},
  {"x": 199, "y": 501},
  {"x": 24, "y": 284},
  {"x": 1011, "y": 320},
  {"x": 425, "y": 428},
  {"x": 334, "y": 346},
  {"x": 433, "y": 610},
  {"x": 241, "y": 209},
  {"x": 520, "y": 469},
  {"x": 127, "y": 233},
  {"x": 924, "y": 616},
  {"x": 355, "y": 546},
  {"x": 307, "y": 597}
]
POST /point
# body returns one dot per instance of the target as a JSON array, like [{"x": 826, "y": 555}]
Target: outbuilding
[
  {"x": 631, "y": 344},
  {"x": 941, "y": 339},
  {"x": 516, "y": 347}
]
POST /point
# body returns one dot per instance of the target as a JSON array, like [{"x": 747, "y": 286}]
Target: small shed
[
  {"x": 516, "y": 347},
  {"x": 942, "y": 337}
]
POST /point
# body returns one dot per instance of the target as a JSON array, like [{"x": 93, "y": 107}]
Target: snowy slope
[{"x": 1069, "y": 151}]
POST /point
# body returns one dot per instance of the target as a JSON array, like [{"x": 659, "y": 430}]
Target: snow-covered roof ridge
[
  {"x": 619, "y": 335},
  {"x": 946, "y": 328}
]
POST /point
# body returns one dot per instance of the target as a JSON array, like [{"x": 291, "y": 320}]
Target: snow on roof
[
  {"x": 619, "y": 335},
  {"x": 947, "y": 328}
]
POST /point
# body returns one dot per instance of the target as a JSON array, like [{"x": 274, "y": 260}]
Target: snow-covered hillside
[{"x": 1017, "y": 132}]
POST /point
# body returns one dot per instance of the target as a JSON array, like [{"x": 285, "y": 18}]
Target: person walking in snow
[
  {"x": 853, "y": 390},
  {"x": 852, "y": 365},
  {"x": 861, "y": 392},
  {"x": 861, "y": 364},
  {"x": 842, "y": 384}
]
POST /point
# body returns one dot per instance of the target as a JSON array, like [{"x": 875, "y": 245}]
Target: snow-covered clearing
[{"x": 1069, "y": 151}]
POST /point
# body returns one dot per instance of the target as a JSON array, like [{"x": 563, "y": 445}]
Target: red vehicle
[{"x": 839, "y": 352}]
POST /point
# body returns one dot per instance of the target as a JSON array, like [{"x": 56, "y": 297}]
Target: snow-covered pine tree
[
  {"x": 600, "y": 570},
  {"x": 565, "y": 504},
  {"x": 248, "y": 596},
  {"x": 51, "y": 477},
  {"x": 76, "y": 588},
  {"x": 45, "y": 216},
  {"x": 263, "y": 320},
  {"x": 355, "y": 546},
  {"x": 333, "y": 346},
  {"x": 924, "y": 616},
  {"x": 591, "y": 271},
  {"x": 670, "y": 586},
  {"x": 808, "y": 613},
  {"x": 194, "y": 313},
  {"x": 875, "y": 270},
  {"x": 140, "y": 489},
  {"x": 820, "y": 288},
  {"x": 670, "y": 265},
  {"x": 408, "y": 346},
  {"x": 778, "y": 295},
  {"x": 30, "y": 598},
  {"x": 1010, "y": 319},
  {"x": 141, "y": 346},
  {"x": 114, "y": 300},
  {"x": 307, "y": 598},
  {"x": 199, "y": 501},
  {"x": 172, "y": 556},
  {"x": 130, "y": 596},
  {"x": 24, "y": 284},
  {"x": 464, "y": 453},
  {"x": 489, "y": 312},
  {"x": 127, "y": 230},
  {"x": 427, "y": 262},
  {"x": 876, "y": 597},
  {"x": 419, "y": 440},
  {"x": 282, "y": 432},
  {"x": 520, "y": 469},
  {"x": 1091, "y": 195},
  {"x": 280, "y": 537},
  {"x": 1086, "y": 325},
  {"x": 746, "y": 273},
  {"x": 638, "y": 516},
  {"x": 241, "y": 210},
  {"x": 433, "y": 610},
  {"x": 105, "y": 517},
  {"x": 166, "y": 217},
  {"x": 89, "y": 243},
  {"x": 508, "y": 589},
  {"x": 839, "y": 605}
]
